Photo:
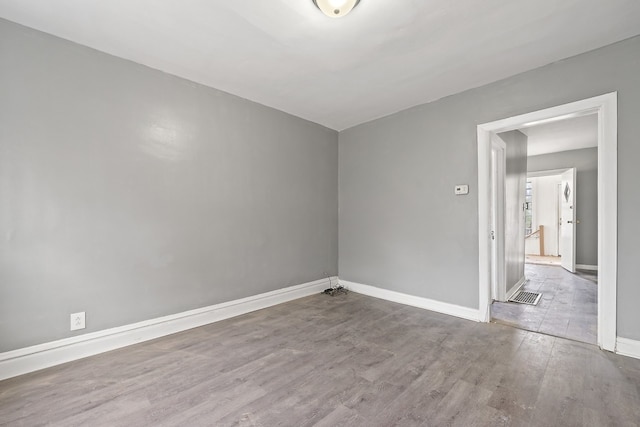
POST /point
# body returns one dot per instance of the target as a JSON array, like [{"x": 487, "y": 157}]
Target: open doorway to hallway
[
  {"x": 559, "y": 215},
  {"x": 491, "y": 231},
  {"x": 542, "y": 221}
]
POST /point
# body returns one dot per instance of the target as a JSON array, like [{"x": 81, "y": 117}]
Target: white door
[
  {"x": 568, "y": 220},
  {"x": 498, "y": 168},
  {"x": 494, "y": 226}
]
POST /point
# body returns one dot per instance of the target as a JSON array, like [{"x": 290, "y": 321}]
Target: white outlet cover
[{"x": 77, "y": 321}]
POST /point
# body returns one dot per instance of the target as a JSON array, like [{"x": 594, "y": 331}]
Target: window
[{"x": 528, "y": 205}]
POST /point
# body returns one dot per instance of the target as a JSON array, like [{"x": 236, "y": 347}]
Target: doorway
[
  {"x": 556, "y": 219},
  {"x": 490, "y": 233},
  {"x": 542, "y": 218},
  {"x": 567, "y": 306},
  {"x": 551, "y": 206}
]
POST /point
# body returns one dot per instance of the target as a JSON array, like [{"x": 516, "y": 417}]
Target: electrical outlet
[{"x": 77, "y": 321}]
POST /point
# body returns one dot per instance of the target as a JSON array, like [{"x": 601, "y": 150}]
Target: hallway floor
[
  {"x": 544, "y": 260},
  {"x": 568, "y": 307}
]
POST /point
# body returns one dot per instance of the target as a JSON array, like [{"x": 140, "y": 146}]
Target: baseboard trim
[
  {"x": 515, "y": 288},
  {"x": 34, "y": 358},
  {"x": 587, "y": 267},
  {"x": 628, "y": 347},
  {"x": 420, "y": 302}
]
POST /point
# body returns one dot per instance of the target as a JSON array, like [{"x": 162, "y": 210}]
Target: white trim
[
  {"x": 29, "y": 359},
  {"x": 628, "y": 347},
  {"x": 607, "y": 220},
  {"x": 606, "y": 108},
  {"x": 516, "y": 288},
  {"x": 587, "y": 267},
  {"x": 414, "y": 301},
  {"x": 484, "y": 223},
  {"x": 549, "y": 172}
]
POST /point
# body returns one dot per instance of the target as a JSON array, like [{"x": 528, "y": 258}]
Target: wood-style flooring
[
  {"x": 331, "y": 361},
  {"x": 568, "y": 307}
]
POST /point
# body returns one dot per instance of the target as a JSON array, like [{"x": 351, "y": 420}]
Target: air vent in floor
[{"x": 524, "y": 297}]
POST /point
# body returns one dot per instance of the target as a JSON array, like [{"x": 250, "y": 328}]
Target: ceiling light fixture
[{"x": 336, "y": 8}]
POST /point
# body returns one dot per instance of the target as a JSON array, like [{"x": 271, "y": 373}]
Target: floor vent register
[{"x": 525, "y": 297}]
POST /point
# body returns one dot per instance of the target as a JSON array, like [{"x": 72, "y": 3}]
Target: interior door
[
  {"x": 494, "y": 226},
  {"x": 568, "y": 220},
  {"x": 498, "y": 167}
]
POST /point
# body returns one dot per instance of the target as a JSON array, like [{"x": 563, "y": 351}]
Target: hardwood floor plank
[
  {"x": 347, "y": 360},
  {"x": 517, "y": 392}
]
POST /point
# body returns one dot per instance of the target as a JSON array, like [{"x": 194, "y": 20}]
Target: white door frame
[{"x": 606, "y": 108}]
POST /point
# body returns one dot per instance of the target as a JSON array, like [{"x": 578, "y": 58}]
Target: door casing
[{"x": 605, "y": 106}]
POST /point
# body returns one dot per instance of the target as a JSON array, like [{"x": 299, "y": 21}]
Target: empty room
[{"x": 306, "y": 212}]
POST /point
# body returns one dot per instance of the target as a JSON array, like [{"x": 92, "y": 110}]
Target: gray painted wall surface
[
  {"x": 131, "y": 194},
  {"x": 515, "y": 182},
  {"x": 586, "y": 163},
  {"x": 402, "y": 228}
]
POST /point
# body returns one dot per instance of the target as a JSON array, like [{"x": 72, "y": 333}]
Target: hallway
[{"x": 568, "y": 307}]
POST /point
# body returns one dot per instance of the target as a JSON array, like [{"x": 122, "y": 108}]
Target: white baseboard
[
  {"x": 628, "y": 347},
  {"x": 427, "y": 304},
  {"x": 587, "y": 267},
  {"x": 515, "y": 288},
  {"x": 29, "y": 359}
]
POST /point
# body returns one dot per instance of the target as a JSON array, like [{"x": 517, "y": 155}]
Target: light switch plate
[{"x": 461, "y": 189}]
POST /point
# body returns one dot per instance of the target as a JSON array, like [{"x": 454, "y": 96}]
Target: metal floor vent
[{"x": 524, "y": 297}]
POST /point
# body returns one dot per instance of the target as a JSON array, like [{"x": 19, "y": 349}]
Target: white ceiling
[
  {"x": 383, "y": 57},
  {"x": 564, "y": 135}
]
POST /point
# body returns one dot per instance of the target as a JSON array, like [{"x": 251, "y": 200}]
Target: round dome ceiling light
[{"x": 336, "y": 8}]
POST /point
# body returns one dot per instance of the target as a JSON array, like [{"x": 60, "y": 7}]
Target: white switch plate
[
  {"x": 461, "y": 189},
  {"x": 77, "y": 321}
]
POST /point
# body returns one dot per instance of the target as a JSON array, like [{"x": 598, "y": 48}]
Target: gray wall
[
  {"x": 515, "y": 182},
  {"x": 586, "y": 163},
  {"x": 131, "y": 194},
  {"x": 402, "y": 228}
]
